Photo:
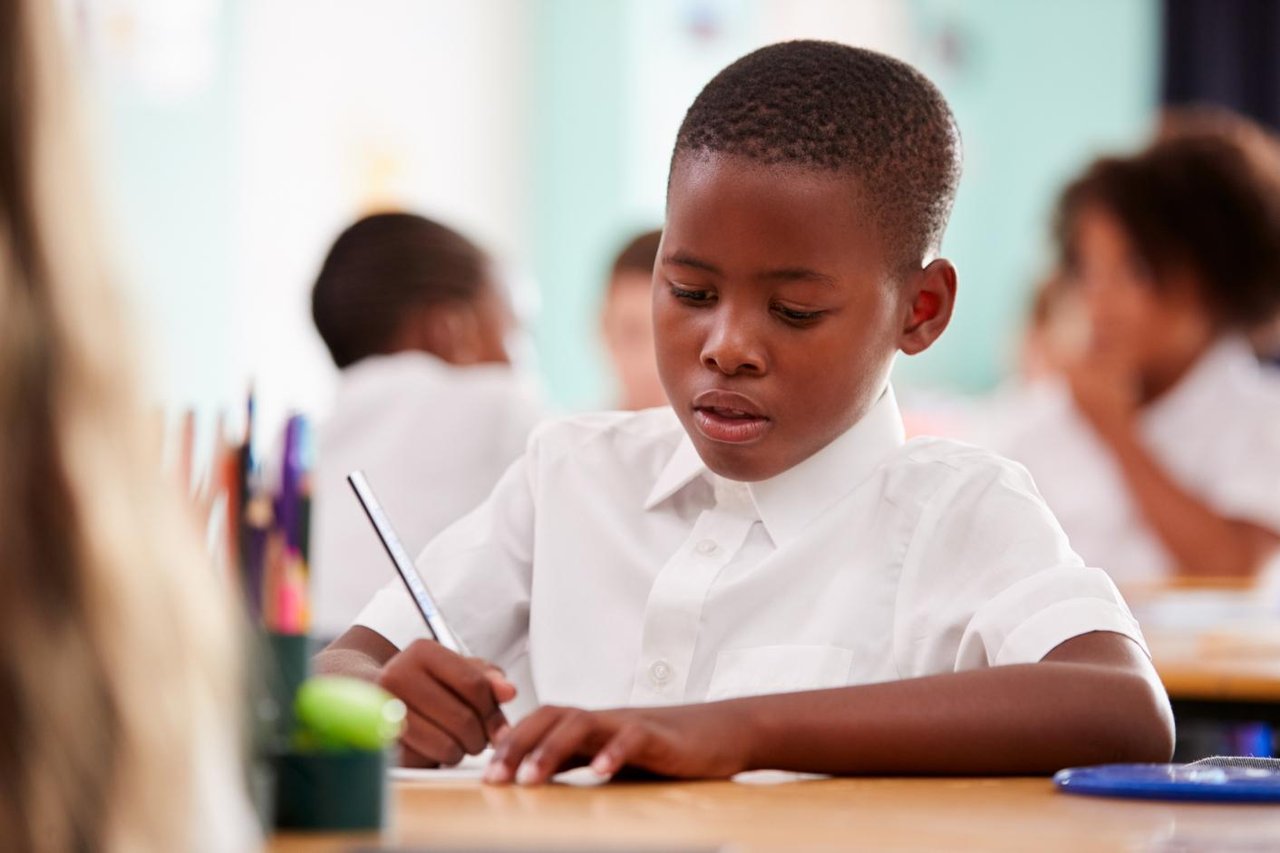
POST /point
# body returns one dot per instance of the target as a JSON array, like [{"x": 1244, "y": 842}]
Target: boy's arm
[
  {"x": 480, "y": 569},
  {"x": 359, "y": 653},
  {"x": 1093, "y": 699}
]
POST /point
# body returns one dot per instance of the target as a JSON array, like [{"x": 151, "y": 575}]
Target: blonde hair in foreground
[{"x": 117, "y": 666}]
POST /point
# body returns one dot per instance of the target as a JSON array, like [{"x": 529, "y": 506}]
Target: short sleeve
[
  {"x": 989, "y": 578},
  {"x": 478, "y": 570}
]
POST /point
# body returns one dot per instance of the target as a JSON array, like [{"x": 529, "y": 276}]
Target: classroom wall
[
  {"x": 544, "y": 128},
  {"x": 1039, "y": 88}
]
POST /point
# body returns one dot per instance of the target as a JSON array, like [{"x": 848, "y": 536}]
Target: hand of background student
[
  {"x": 689, "y": 741},
  {"x": 1105, "y": 388},
  {"x": 453, "y": 703}
]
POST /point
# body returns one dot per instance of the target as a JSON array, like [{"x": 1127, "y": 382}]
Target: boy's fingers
[
  {"x": 410, "y": 758},
  {"x": 622, "y": 748},
  {"x": 519, "y": 742},
  {"x": 570, "y": 736},
  {"x": 503, "y": 690},
  {"x": 430, "y": 741},
  {"x": 439, "y": 705},
  {"x": 466, "y": 680}
]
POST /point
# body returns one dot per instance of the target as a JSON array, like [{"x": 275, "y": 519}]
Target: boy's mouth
[{"x": 729, "y": 417}]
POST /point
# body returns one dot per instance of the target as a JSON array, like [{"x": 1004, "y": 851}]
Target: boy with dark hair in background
[{"x": 427, "y": 403}]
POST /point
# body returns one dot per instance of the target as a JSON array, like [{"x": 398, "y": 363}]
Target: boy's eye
[
  {"x": 798, "y": 317},
  {"x": 690, "y": 294}
]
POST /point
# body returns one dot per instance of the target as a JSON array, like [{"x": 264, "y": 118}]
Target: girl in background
[{"x": 1158, "y": 449}]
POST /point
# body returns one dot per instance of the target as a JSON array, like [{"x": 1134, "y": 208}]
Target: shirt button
[
  {"x": 706, "y": 546},
  {"x": 660, "y": 672}
]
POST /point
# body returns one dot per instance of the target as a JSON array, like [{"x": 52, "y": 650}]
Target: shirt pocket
[{"x": 778, "y": 669}]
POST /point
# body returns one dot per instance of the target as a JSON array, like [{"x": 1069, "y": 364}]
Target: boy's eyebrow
[
  {"x": 683, "y": 259},
  {"x": 796, "y": 274}
]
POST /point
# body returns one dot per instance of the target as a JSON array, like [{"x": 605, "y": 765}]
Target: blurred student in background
[
  {"x": 427, "y": 404},
  {"x": 1159, "y": 450},
  {"x": 627, "y": 324},
  {"x": 1262, "y": 148},
  {"x": 118, "y": 696}
]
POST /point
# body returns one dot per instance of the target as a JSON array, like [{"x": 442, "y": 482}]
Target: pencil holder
[
  {"x": 331, "y": 790},
  {"x": 286, "y": 669}
]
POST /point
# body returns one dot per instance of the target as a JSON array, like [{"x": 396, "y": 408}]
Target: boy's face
[{"x": 776, "y": 313}]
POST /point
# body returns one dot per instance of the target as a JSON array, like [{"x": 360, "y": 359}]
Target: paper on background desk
[{"x": 472, "y": 768}]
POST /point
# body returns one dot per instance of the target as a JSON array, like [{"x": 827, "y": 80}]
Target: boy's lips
[{"x": 730, "y": 417}]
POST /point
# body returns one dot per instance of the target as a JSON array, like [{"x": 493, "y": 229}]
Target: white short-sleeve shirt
[
  {"x": 610, "y": 567},
  {"x": 1217, "y": 433},
  {"x": 433, "y": 438}
]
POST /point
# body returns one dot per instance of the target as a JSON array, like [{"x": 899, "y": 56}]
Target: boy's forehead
[{"x": 731, "y": 205}]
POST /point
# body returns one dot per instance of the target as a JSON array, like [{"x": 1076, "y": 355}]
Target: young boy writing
[{"x": 765, "y": 575}]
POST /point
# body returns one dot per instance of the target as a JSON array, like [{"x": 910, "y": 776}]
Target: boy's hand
[
  {"x": 452, "y": 703},
  {"x": 689, "y": 741}
]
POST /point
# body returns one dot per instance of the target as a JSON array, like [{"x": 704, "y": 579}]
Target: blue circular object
[{"x": 1173, "y": 782}]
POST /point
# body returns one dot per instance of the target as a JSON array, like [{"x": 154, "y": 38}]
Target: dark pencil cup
[
  {"x": 331, "y": 790},
  {"x": 289, "y": 666}
]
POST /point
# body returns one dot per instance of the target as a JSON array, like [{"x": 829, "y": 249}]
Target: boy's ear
[{"x": 930, "y": 299}]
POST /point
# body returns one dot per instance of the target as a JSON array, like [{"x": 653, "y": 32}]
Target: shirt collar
[{"x": 787, "y": 502}]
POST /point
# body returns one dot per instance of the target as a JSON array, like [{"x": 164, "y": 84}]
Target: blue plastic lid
[{"x": 1173, "y": 782}]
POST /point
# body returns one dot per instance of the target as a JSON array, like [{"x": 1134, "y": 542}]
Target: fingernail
[
  {"x": 602, "y": 766},
  {"x": 527, "y": 774},
  {"x": 497, "y": 773}
]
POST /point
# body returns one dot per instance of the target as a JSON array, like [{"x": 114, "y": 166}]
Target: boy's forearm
[
  {"x": 1009, "y": 720},
  {"x": 347, "y": 662},
  {"x": 358, "y": 653}
]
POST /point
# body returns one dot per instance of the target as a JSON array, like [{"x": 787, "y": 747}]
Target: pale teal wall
[
  {"x": 576, "y": 207},
  {"x": 1039, "y": 87},
  {"x": 168, "y": 181}
]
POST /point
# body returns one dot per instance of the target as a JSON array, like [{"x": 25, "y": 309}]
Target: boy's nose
[{"x": 731, "y": 349}]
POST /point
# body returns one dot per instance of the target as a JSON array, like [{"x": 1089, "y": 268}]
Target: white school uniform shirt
[
  {"x": 610, "y": 567},
  {"x": 433, "y": 439},
  {"x": 1217, "y": 433}
]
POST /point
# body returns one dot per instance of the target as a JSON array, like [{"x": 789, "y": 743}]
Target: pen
[{"x": 439, "y": 631}]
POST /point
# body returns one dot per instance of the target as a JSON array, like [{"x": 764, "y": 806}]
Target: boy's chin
[{"x": 746, "y": 464}]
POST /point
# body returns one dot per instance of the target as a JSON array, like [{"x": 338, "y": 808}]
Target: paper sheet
[{"x": 472, "y": 768}]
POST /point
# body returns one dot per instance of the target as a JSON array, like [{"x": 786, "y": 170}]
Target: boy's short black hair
[
  {"x": 828, "y": 106},
  {"x": 1199, "y": 199},
  {"x": 382, "y": 267}
]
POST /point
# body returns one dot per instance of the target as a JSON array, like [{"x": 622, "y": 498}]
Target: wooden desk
[
  {"x": 835, "y": 814},
  {"x": 1220, "y": 675}
]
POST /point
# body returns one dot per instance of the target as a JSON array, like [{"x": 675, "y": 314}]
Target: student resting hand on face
[
  {"x": 766, "y": 574},
  {"x": 1159, "y": 451}
]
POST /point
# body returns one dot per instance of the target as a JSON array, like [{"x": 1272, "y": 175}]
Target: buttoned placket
[{"x": 673, "y": 613}]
